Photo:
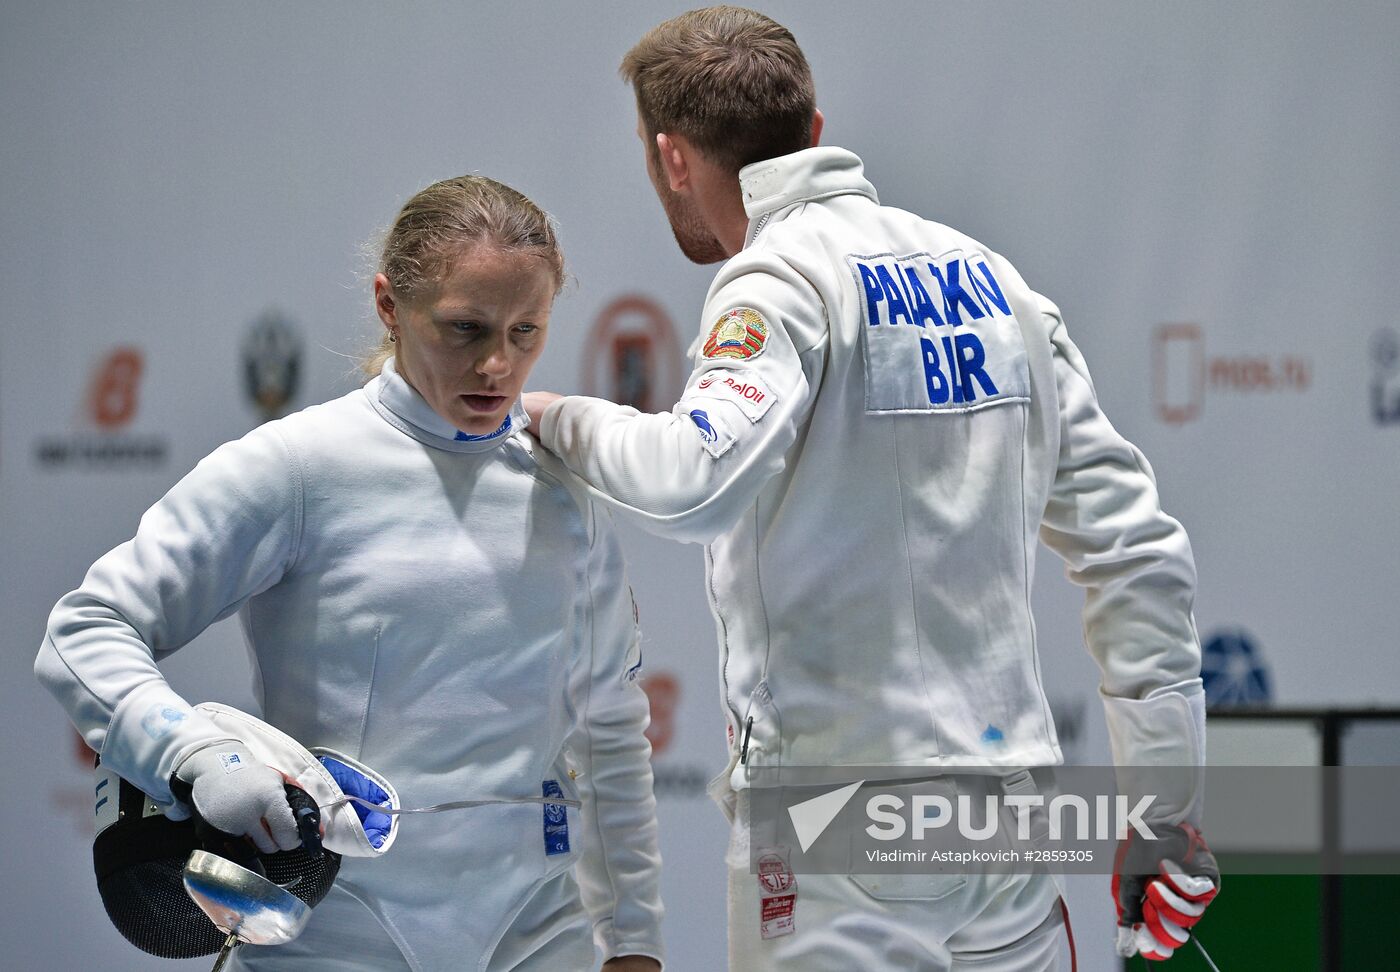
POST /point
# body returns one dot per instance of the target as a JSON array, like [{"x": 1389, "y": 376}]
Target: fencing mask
[
  {"x": 139, "y": 853},
  {"x": 139, "y": 857}
]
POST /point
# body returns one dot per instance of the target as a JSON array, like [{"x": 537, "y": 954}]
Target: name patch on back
[{"x": 938, "y": 334}]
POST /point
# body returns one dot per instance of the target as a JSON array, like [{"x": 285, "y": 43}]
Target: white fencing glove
[
  {"x": 239, "y": 795},
  {"x": 1161, "y": 889}
]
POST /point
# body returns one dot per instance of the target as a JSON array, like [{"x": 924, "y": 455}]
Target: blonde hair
[
  {"x": 441, "y": 220},
  {"x": 730, "y": 80}
]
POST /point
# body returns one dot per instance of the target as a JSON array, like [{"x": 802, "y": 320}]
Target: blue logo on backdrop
[{"x": 1234, "y": 672}]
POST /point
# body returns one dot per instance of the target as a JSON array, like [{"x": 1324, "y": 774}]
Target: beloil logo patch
[{"x": 746, "y": 389}]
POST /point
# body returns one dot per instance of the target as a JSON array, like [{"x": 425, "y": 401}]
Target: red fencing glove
[{"x": 1162, "y": 888}]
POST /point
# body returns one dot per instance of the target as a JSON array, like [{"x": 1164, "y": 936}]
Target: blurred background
[{"x": 1208, "y": 190}]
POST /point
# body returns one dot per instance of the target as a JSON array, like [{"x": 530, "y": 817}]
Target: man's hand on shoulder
[{"x": 535, "y": 403}]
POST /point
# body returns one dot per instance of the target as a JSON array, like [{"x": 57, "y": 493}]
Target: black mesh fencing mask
[{"x": 139, "y": 857}]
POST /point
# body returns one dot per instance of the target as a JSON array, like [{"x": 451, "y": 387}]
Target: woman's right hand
[{"x": 239, "y": 795}]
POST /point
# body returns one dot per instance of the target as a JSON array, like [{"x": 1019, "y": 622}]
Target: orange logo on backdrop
[
  {"x": 1182, "y": 373},
  {"x": 663, "y": 692},
  {"x": 112, "y": 396},
  {"x": 1178, "y": 372}
]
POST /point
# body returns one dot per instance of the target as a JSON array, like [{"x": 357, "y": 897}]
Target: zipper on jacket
[{"x": 758, "y": 228}]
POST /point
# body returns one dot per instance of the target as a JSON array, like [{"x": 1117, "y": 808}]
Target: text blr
[{"x": 949, "y": 300}]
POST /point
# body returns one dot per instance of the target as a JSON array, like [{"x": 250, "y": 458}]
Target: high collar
[
  {"x": 813, "y": 173},
  {"x": 402, "y": 407}
]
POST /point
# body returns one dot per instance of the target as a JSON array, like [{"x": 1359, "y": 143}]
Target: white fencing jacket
[
  {"x": 453, "y": 613},
  {"x": 882, "y": 419}
]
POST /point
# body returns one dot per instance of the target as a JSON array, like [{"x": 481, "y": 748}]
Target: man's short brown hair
[{"x": 731, "y": 81}]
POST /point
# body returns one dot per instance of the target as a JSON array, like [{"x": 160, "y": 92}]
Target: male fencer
[{"x": 882, "y": 419}]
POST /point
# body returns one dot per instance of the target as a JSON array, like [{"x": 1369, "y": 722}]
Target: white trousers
[
  {"x": 915, "y": 922},
  {"x": 552, "y": 933}
]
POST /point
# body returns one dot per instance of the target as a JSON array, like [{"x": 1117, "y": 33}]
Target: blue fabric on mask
[{"x": 356, "y": 784}]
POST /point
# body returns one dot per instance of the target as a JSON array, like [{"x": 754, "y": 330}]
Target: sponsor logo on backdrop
[
  {"x": 272, "y": 354},
  {"x": 1385, "y": 376},
  {"x": 110, "y": 406},
  {"x": 631, "y": 356},
  {"x": 1234, "y": 670},
  {"x": 1184, "y": 375},
  {"x": 672, "y": 777}
]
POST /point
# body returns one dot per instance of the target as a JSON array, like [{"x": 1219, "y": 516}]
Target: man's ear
[
  {"x": 674, "y": 162},
  {"x": 817, "y": 121}
]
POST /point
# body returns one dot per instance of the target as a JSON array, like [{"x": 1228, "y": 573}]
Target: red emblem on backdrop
[
  {"x": 112, "y": 393},
  {"x": 631, "y": 355},
  {"x": 663, "y": 692}
]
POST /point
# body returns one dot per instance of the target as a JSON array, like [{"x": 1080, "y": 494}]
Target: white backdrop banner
[{"x": 1207, "y": 190}]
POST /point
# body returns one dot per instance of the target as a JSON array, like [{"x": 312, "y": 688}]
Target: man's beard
[{"x": 692, "y": 235}]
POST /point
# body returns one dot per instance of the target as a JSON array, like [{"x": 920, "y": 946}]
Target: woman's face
[{"x": 468, "y": 343}]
